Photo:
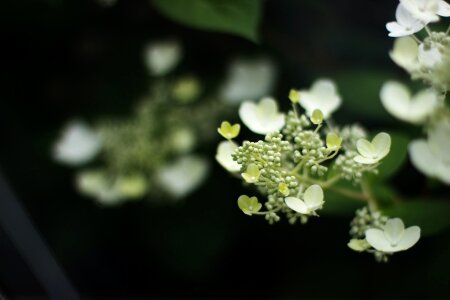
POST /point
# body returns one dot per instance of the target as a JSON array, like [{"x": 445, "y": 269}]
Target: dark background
[{"x": 61, "y": 59}]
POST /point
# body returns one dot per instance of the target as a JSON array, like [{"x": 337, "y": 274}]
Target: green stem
[{"x": 371, "y": 200}]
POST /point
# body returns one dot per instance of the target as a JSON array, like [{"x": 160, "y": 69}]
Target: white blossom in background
[
  {"x": 394, "y": 237},
  {"x": 423, "y": 10},
  {"x": 312, "y": 201},
  {"x": 223, "y": 156},
  {"x": 183, "y": 175},
  {"x": 162, "y": 57},
  {"x": 405, "y": 24},
  {"x": 397, "y": 100},
  {"x": 262, "y": 117},
  {"x": 429, "y": 57},
  {"x": 248, "y": 79},
  {"x": 432, "y": 156},
  {"x": 405, "y": 53},
  {"x": 322, "y": 95},
  {"x": 372, "y": 152},
  {"x": 77, "y": 145}
]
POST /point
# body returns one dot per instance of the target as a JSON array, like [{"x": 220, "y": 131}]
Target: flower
[
  {"x": 322, "y": 95},
  {"x": 425, "y": 11},
  {"x": 223, "y": 156},
  {"x": 162, "y": 57},
  {"x": 261, "y": 118},
  {"x": 252, "y": 173},
  {"x": 248, "y": 79},
  {"x": 283, "y": 189},
  {"x": 229, "y": 131},
  {"x": 294, "y": 96},
  {"x": 183, "y": 175},
  {"x": 429, "y": 56},
  {"x": 394, "y": 237},
  {"x": 397, "y": 100},
  {"x": 78, "y": 144},
  {"x": 405, "y": 53},
  {"x": 317, "y": 117},
  {"x": 249, "y": 205},
  {"x": 443, "y": 9},
  {"x": 372, "y": 152},
  {"x": 312, "y": 201},
  {"x": 333, "y": 141},
  {"x": 432, "y": 156},
  {"x": 406, "y": 23},
  {"x": 358, "y": 245}
]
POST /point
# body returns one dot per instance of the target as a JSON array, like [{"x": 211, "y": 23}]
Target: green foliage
[
  {"x": 431, "y": 215},
  {"x": 239, "y": 17},
  {"x": 396, "y": 157}
]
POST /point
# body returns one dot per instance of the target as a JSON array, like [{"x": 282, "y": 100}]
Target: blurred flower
[
  {"x": 162, "y": 57},
  {"x": 77, "y": 145},
  {"x": 397, "y": 100},
  {"x": 182, "y": 176},
  {"x": 312, "y": 201},
  {"x": 426, "y": 11},
  {"x": 317, "y": 117},
  {"x": 372, "y": 152},
  {"x": 322, "y": 95},
  {"x": 358, "y": 245},
  {"x": 248, "y": 79},
  {"x": 432, "y": 156},
  {"x": 405, "y": 53},
  {"x": 406, "y": 23},
  {"x": 182, "y": 140},
  {"x": 429, "y": 56},
  {"x": 333, "y": 141},
  {"x": 249, "y": 205},
  {"x": 223, "y": 156},
  {"x": 394, "y": 237},
  {"x": 186, "y": 89},
  {"x": 263, "y": 117}
]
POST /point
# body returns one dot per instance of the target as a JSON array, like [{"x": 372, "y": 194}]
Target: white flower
[
  {"x": 432, "y": 156},
  {"x": 96, "y": 184},
  {"x": 397, "y": 100},
  {"x": 424, "y": 10},
  {"x": 77, "y": 145},
  {"x": 405, "y": 53},
  {"x": 183, "y": 176},
  {"x": 372, "y": 152},
  {"x": 394, "y": 237},
  {"x": 406, "y": 23},
  {"x": 312, "y": 201},
  {"x": 429, "y": 57},
  {"x": 261, "y": 118},
  {"x": 162, "y": 57},
  {"x": 323, "y": 96},
  {"x": 223, "y": 156},
  {"x": 248, "y": 79},
  {"x": 443, "y": 9}
]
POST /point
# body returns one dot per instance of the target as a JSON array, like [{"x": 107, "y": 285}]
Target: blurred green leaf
[
  {"x": 431, "y": 215},
  {"x": 360, "y": 90},
  {"x": 396, "y": 157},
  {"x": 337, "y": 204},
  {"x": 239, "y": 17}
]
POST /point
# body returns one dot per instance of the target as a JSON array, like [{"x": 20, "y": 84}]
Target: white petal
[
  {"x": 422, "y": 157},
  {"x": 365, "y": 160},
  {"x": 365, "y": 148},
  {"x": 439, "y": 141},
  {"x": 162, "y": 57},
  {"x": 322, "y": 95},
  {"x": 443, "y": 8},
  {"x": 377, "y": 239},
  {"x": 393, "y": 230},
  {"x": 223, "y": 156},
  {"x": 429, "y": 57},
  {"x": 410, "y": 237},
  {"x": 404, "y": 53},
  {"x": 78, "y": 145},
  {"x": 397, "y": 30},
  {"x": 313, "y": 197},
  {"x": 396, "y": 99},
  {"x": 422, "y": 105},
  {"x": 183, "y": 176},
  {"x": 296, "y": 205},
  {"x": 423, "y": 10},
  {"x": 262, "y": 118},
  {"x": 381, "y": 144}
]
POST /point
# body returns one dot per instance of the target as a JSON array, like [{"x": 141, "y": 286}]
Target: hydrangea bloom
[
  {"x": 405, "y": 53},
  {"x": 224, "y": 158},
  {"x": 397, "y": 100},
  {"x": 405, "y": 25},
  {"x": 78, "y": 144},
  {"x": 162, "y": 57},
  {"x": 312, "y": 201},
  {"x": 373, "y": 152},
  {"x": 432, "y": 156},
  {"x": 323, "y": 96},
  {"x": 394, "y": 237},
  {"x": 263, "y": 117}
]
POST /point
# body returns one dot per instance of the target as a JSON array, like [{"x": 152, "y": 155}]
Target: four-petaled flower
[
  {"x": 229, "y": 131},
  {"x": 251, "y": 174},
  {"x": 372, "y": 152},
  {"x": 312, "y": 201},
  {"x": 223, "y": 156},
  {"x": 405, "y": 25},
  {"x": 249, "y": 205},
  {"x": 394, "y": 237},
  {"x": 322, "y": 95},
  {"x": 262, "y": 118}
]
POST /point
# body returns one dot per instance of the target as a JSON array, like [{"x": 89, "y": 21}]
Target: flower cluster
[
  {"x": 427, "y": 60},
  {"x": 300, "y": 157}
]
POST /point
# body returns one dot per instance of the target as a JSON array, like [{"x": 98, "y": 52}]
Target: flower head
[
  {"x": 263, "y": 117},
  {"x": 424, "y": 11},
  {"x": 162, "y": 57},
  {"x": 322, "y": 95},
  {"x": 312, "y": 201},
  {"x": 229, "y": 131},
  {"x": 249, "y": 205},
  {"x": 394, "y": 237},
  {"x": 252, "y": 174},
  {"x": 78, "y": 144},
  {"x": 406, "y": 23},
  {"x": 223, "y": 156},
  {"x": 372, "y": 152},
  {"x": 397, "y": 100}
]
